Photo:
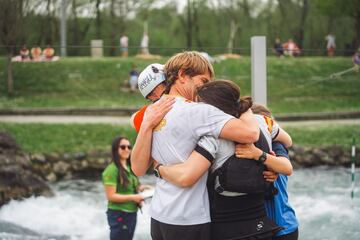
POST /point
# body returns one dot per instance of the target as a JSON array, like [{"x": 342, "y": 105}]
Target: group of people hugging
[{"x": 221, "y": 161}]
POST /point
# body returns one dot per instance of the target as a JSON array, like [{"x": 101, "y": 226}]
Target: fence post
[
  {"x": 258, "y": 70},
  {"x": 353, "y": 156}
]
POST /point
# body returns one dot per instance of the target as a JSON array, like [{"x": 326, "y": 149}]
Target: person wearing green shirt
[{"x": 121, "y": 188}]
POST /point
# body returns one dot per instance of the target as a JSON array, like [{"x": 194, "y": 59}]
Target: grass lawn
[
  {"x": 63, "y": 138},
  {"x": 48, "y": 138},
  {"x": 294, "y": 84}
]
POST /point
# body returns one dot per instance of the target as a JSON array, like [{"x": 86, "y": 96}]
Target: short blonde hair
[{"x": 191, "y": 62}]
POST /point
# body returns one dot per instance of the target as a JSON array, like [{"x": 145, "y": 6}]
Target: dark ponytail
[
  {"x": 245, "y": 104},
  {"x": 225, "y": 95}
]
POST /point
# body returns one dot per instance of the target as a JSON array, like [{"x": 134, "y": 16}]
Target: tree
[
  {"x": 98, "y": 19},
  {"x": 119, "y": 10},
  {"x": 78, "y": 32},
  {"x": 301, "y": 31},
  {"x": 336, "y": 8},
  {"x": 11, "y": 25}
]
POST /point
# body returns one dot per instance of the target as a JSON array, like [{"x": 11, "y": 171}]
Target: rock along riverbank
[{"x": 24, "y": 174}]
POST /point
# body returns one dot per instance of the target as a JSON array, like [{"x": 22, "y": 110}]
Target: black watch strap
[
  {"x": 156, "y": 171},
  {"x": 263, "y": 157}
]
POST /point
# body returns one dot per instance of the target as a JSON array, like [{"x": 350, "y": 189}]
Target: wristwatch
[
  {"x": 156, "y": 171},
  {"x": 263, "y": 157}
]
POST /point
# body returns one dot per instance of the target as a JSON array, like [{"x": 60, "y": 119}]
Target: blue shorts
[{"x": 122, "y": 224}]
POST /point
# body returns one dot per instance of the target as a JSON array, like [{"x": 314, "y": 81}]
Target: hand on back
[{"x": 156, "y": 112}]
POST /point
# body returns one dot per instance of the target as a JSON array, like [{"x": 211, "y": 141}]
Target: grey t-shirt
[{"x": 173, "y": 141}]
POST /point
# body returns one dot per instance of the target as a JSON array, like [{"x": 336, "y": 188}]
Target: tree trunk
[
  {"x": 283, "y": 7},
  {"x": 189, "y": 25},
  {"x": 330, "y": 24},
  {"x": 197, "y": 28},
  {"x": 233, "y": 29},
  {"x": 75, "y": 29},
  {"x": 48, "y": 23},
  {"x": 357, "y": 30},
  {"x": 113, "y": 28},
  {"x": 304, "y": 12},
  {"x": 10, "y": 80},
  {"x": 98, "y": 20}
]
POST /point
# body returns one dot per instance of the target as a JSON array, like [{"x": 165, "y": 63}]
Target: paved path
[{"x": 125, "y": 120}]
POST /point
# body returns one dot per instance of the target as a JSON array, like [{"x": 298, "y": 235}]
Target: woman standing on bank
[{"x": 121, "y": 188}]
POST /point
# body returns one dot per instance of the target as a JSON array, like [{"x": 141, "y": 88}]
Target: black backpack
[{"x": 244, "y": 175}]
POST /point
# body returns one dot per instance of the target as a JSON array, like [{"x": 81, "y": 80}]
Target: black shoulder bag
[{"x": 243, "y": 175}]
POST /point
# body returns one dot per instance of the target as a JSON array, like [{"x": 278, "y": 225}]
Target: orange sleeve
[
  {"x": 139, "y": 116},
  {"x": 269, "y": 123}
]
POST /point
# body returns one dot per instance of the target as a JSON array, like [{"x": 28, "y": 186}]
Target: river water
[{"x": 320, "y": 196}]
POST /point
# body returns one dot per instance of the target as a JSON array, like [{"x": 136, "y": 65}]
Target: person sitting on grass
[
  {"x": 291, "y": 48},
  {"x": 133, "y": 78},
  {"x": 48, "y": 53},
  {"x": 24, "y": 53},
  {"x": 36, "y": 53}
]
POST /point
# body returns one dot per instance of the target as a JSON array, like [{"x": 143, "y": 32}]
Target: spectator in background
[
  {"x": 133, "y": 78},
  {"x": 144, "y": 45},
  {"x": 356, "y": 58},
  {"x": 278, "y": 48},
  {"x": 291, "y": 49},
  {"x": 36, "y": 53},
  {"x": 330, "y": 44},
  {"x": 124, "y": 45},
  {"x": 24, "y": 53},
  {"x": 48, "y": 53},
  {"x": 121, "y": 189}
]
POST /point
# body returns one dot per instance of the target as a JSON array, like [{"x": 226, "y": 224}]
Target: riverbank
[{"x": 44, "y": 153}]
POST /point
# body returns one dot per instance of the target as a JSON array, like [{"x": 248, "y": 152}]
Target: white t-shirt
[
  {"x": 173, "y": 141},
  {"x": 124, "y": 41},
  {"x": 330, "y": 41},
  {"x": 144, "y": 41}
]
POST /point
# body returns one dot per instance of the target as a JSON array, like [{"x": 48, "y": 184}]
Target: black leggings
[
  {"x": 291, "y": 236},
  {"x": 163, "y": 231}
]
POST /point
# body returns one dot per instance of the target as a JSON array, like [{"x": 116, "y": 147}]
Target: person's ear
[{"x": 182, "y": 77}]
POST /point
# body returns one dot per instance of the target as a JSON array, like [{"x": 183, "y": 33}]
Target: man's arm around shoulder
[{"x": 243, "y": 130}]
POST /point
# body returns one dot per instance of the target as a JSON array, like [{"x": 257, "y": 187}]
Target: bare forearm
[
  {"x": 176, "y": 174},
  {"x": 242, "y": 130},
  {"x": 248, "y": 121},
  {"x": 284, "y": 138},
  {"x": 119, "y": 198},
  {"x": 188, "y": 173},
  {"x": 279, "y": 164},
  {"x": 141, "y": 153}
]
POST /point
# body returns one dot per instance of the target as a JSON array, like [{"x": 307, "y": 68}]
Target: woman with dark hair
[
  {"x": 234, "y": 215},
  {"x": 121, "y": 188}
]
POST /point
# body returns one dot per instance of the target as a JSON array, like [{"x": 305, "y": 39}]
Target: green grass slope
[{"x": 294, "y": 84}]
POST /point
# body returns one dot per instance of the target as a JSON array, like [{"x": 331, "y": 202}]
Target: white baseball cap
[{"x": 150, "y": 78}]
